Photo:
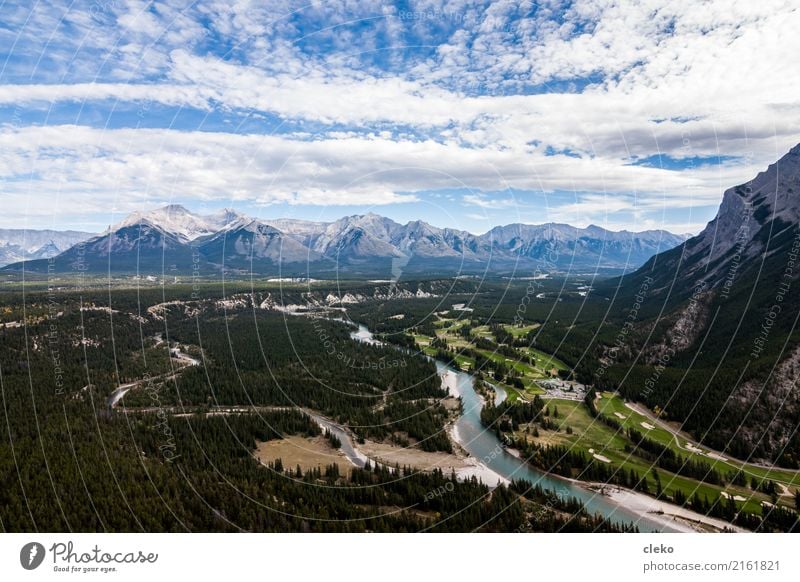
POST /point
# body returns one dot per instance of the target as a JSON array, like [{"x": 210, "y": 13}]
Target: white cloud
[
  {"x": 739, "y": 86},
  {"x": 271, "y": 169},
  {"x": 486, "y": 202},
  {"x": 670, "y": 77}
]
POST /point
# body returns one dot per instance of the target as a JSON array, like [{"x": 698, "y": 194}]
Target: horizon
[
  {"x": 469, "y": 116},
  {"x": 99, "y": 222}
]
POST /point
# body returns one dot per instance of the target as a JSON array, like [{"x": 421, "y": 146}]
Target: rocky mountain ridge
[{"x": 369, "y": 243}]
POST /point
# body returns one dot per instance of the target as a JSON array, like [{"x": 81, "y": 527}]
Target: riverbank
[
  {"x": 459, "y": 461},
  {"x": 675, "y": 516}
]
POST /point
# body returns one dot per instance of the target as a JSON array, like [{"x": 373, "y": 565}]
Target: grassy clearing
[
  {"x": 521, "y": 330},
  {"x": 308, "y": 453}
]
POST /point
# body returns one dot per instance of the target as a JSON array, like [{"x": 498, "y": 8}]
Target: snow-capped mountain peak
[
  {"x": 227, "y": 218},
  {"x": 176, "y": 219}
]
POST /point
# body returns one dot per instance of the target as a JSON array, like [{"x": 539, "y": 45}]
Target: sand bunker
[
  {"x": 647, "y": 425},
  {"x": 735, "y": 497}
]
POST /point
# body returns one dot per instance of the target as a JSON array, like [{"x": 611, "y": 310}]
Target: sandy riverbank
[
  {"x": 391, "y": 455},
  {"x": 459, "y": 462},
  {"x": 473, "y": 466},
  {"x": 670, "y": 515}
]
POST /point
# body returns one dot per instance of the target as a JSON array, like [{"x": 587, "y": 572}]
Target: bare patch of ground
[
  {"x": 309, "y": 453},
  {"x": 450, "y": 403},
  {"x": 389, "y": 454}
]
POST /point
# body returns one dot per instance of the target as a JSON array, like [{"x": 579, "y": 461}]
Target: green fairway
[
  {"x": 606, "y": 444},
  {"x": 545, "y": 362},
  {"x": 612, "y": 405},
  {"x": 519, "y": 331}
]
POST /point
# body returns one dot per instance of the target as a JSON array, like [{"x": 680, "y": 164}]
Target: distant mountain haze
[{"x": 24, "y": 244}]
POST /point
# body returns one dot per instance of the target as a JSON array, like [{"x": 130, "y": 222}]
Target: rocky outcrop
[{"x": 769, "y": 409}]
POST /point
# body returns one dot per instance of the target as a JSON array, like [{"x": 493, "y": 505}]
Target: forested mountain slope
[{"x": 714, "y": 341}]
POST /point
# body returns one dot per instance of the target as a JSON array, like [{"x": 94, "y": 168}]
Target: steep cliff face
[
  {"x": 750, "y": 227},
  {"x": 749, "y": 215},
  {"x": 254, "y": 241}
]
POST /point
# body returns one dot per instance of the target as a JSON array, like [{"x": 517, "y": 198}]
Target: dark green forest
[{"x": 72, "y": 463}]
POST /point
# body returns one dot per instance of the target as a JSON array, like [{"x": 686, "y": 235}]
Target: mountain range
[
  {"x": 23, "y": 244},
  {"x": 175, "y": 240}
]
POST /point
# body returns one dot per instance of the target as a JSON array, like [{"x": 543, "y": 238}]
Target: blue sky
[{"x": 465, "y": 114}]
